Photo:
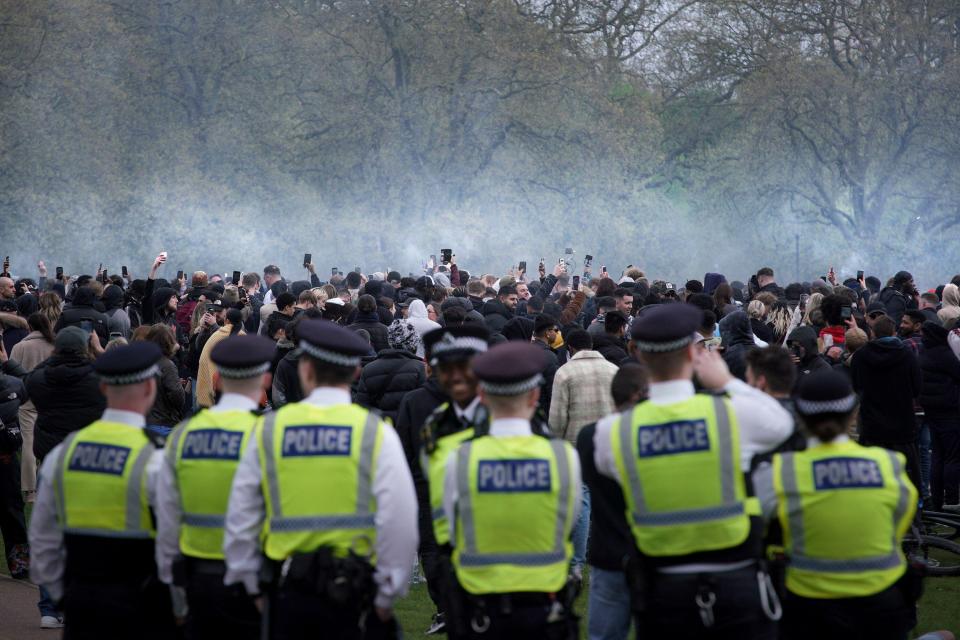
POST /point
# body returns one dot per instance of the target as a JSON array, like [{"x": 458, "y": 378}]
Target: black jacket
[
  {"x": 66, "y": 392},
  {"x": 738, "y": 339},
  {"x": 13, "y": 393},
  {"x": 414, "y": 409},
  {"x": 896, "y": 303},
  {"x": 811, "y": 361},
  {"x": 610, "y": 347},
  {"x": 385, "y": 381},
  {"x": 286, "y": 381},
  {"x": 82, "y": 308},
  {"x": 886, "y": 375},
  {"x": 496, "y": 315},
  {"x": 167, "y": 409},
  {"x": 377, "y": 330},
  {"x": 610, "y": 539},
  {"x": 773, "y": 288},
  {"x": 546, "y": 389},
  {"x": 940, "y": 369}
]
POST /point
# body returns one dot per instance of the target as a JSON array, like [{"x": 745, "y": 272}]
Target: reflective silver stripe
[
  {"x": 902, "y": 498},
  {"x": 438, "y": 514},
  {"x": 270, "y": 461},
  {"x": 322, "y": 523},
  {"x": 109, "y": 533},
  {"x": 365, "y": 463},
  {"x": 203, "y": 520},
  {"x": 728, "y": 473},
  {"x": 848, "y": 565},
  {"x": 788, "y": 480},
  {"x": 173, "y": 442},
  {"x": 626, "y": 451},
  {"x": 135, "y": 487},
  {"x": 728, "y": 477},
  {"x": 688, "y": 516},
  {"x": 563, "y": 499},
  {"x": 465, "y": 502},
  {"x": 521, "y": 559},
  {"x": 58, "y": 477}
]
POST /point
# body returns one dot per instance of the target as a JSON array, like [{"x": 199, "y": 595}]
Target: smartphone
[
  {"x": 180, "y": 274},
  {"x": 825, "y": 279},
  {"x": 104, "y": 277},
  {"x": 523, "y": 266},
  {"x": 123, "y": 270},
  {"x": 568, "y": 251},
  {"x": 87, "y": 325},
  {"x": 803, "y": 301},
  {"x": 236, "y": 278},
  {"x": 827, "y": 341},
  {"x": 603, "y": 269},
  {"x": 576, "y": 283},
  {"x": 560, "y": 261},
  {"x": 446, "y": 255},
  {"x": 59, "y": 273},
  {"x": 846, "y": 312},
  {"x": 859, "y": 275},
  {"x": 333, "y": 271},
  {"x": 307, "y": 259},
  {"x": 433, "y": 260},
  {"x": 212, "y": 308},
  {"x": 587, "y": 261}
]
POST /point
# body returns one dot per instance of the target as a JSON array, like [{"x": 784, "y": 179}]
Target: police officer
[
  {"x": 680, "y": 459},
  {"x": 201, "y": 458},
  {"x": 511, "y": 500},
  {"x": 843, "y": 509},
  {"x": 92, "y": 532},
  {"x": 449, "y": 352},
  {"x": 325, "y": 487}
]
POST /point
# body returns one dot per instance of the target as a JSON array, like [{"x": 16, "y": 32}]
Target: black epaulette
[
  {"x": 540, "y": 426},
  {"x": 429, "y": 430},
  {"x": 155, "y": 439}
]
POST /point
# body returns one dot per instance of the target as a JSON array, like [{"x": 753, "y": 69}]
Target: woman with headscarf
[
  {"x": 119, "y": 321},
  {"x": 396, "y": 371}
]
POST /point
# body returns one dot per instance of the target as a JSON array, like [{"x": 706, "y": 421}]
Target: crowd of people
[{"x": 651, "y": 392}]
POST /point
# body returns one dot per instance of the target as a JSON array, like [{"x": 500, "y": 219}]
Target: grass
[{"x": 939, "y": 608}]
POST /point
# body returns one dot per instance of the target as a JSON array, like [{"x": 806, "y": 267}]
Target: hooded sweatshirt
[
  {"x": 886, "y": 375},
  {"x": 737, "y": 337},
  {"x": 417, "y": 316},
  {"x": 950, "y": 310}
]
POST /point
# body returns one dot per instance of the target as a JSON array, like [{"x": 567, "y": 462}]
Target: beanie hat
[{"x": 71, "y": 339}]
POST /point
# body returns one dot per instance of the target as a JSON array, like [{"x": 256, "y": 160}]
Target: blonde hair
[
  {"x": 756, "y": 309},
  {"x": 51, "y": 306},
  {"x": 813, "y": 304}
]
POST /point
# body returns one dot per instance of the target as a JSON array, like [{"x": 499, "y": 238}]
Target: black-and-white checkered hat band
[
  {"x": 131, "y": 378},
  {"x": 814, "y": 407},
  {"x": 243, "y": 374},
  {"x": 329, "y": 356},
  {"x": 511, "y": 388}
]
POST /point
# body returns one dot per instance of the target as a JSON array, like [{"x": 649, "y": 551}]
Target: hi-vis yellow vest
[
  {"x": 101, "y": 484},
  {"x": 434, "y": 466},
  {"x": 514, "y": 514},
  {"x": 679, "y": 465},
  {"x": 205, "y": 452},
  {"x": 844, "y": 510},
  {"x": 318, "y": 470}
]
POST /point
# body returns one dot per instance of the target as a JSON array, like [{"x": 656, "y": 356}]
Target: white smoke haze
[{"x": 235, "y": 135}]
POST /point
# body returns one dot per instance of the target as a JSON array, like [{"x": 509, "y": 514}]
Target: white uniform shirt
[
  {"x": 763, "y": 422},
  {"x": 501, "y": 428},
  {"x": 169, "y": 511},
  {"x": 48, "y": 556},
  {"x": 395, "y": 519},
  {"x": 468, "y": 413}
]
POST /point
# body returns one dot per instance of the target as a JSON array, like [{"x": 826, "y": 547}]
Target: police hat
[
  {"x": 129, "y": 364},
  {"x": 825, "y": 392},
  {"x": 329, "y": 342},
  {"x": 666, "y": 327},
  {"x": 510, "y": 368},
  {"x": 242, "y": 357},
  {"x": 455, "y": 344}
]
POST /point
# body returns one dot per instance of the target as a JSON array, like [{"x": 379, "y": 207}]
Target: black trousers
[
  {"x": 909, "y": 451},
  {"x": 292, "y": 615},
  {"x": 884, "y": 616},
  {"x": 218, "y": 611},
  {"x": 520, "y": 623},
  {"x": 673, "y": 612},
  {"x": 945, "y": 463},
  {"x": 103, "y": 611},
  {"x": 13, "y": 527}
]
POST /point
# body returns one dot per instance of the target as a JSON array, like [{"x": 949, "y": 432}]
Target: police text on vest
[
  {"x": 504, "y": 476},
  {"x": 846, "y": 473},
  {"x": 212, "y": 444},
  {"x": 316, "y": 440},
  {"x": 99, "y": 458},
  {"x": 673, "y": 437}
]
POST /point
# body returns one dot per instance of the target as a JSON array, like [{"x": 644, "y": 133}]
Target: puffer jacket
[
  {"x": 66, "y": 392},
  {"x": 12, "y": 395},
  {"x": 385, "y": 381},
  {"x": 940, "y": 373},
  {"x": 83, "y": 308}
]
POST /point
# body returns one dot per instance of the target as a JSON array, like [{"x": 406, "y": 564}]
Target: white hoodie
[{"x": 417, "y": 316}]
